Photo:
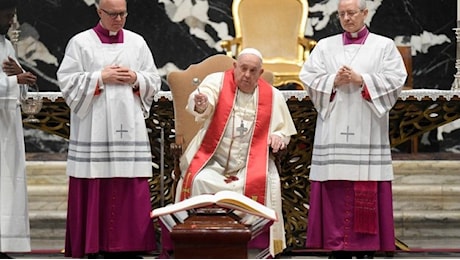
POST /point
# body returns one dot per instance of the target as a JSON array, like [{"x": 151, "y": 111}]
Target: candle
[{"x": 458, "y": 10}]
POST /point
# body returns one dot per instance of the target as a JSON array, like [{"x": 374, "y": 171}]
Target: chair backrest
[
  {"x": 273, "y": 27},
  {"x": 181, "y": 84},
  {"x": 406, "y": 54}
]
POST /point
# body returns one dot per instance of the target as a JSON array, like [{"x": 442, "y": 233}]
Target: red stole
[{"x": 257, "y": 161}]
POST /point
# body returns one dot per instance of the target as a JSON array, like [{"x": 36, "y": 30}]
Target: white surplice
[
  {"x": 351, "y": 136},
  {"x": 211, "y": 178},
  {"x": 108, "y": 135},
  {"x": 14, "y": 213}
]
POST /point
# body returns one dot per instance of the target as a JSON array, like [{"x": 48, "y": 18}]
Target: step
[
  {"x": 47, "y": 188},
  {"x": 427, "y": 224},
  {"x": 443, "y": 197},
  {"x": 46, "y": 172},
  {"x": 425, "y": 200},
  {"x": 47, "y": 224},
  {"x": 432, "y": 171}
]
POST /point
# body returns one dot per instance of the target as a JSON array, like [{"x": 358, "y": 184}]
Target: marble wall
[{"x": 182, "y": 32}]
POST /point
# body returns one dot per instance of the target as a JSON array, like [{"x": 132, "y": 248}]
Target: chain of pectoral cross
[{"x": 241, "y": 129}]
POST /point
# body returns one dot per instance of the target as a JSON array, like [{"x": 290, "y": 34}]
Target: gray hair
[
  {"x": 361, "y": 4},
  {"x": 98, "y": 2}
]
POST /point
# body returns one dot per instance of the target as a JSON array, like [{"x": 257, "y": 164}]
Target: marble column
[{"x": 456, "y": 84}]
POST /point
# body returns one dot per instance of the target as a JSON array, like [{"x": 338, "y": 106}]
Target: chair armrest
[
  {"x": 228, "y": 44},
  {"x": 277, "y": 158},
  {"x": 176, "y": 150},
  {"x": 308, "y": 45}
]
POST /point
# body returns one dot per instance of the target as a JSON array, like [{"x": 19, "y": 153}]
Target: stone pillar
[{"x": 456, "y": 84}]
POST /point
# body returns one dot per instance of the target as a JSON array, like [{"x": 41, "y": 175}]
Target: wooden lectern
[
  {"x": 220, "y": 225},
  {"x": 211, "y": 233}
]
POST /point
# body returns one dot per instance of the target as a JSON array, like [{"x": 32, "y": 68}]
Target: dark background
[{"x": 54, "y": 22}]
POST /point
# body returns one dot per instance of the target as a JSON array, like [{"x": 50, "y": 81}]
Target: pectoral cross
[{"x": 241, "y": 129}]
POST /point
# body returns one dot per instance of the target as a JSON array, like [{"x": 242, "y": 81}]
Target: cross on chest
[
  {"x": 121, "y": 131},
  {"x": 347, "y": 133},
  {"x": 241, "y": 129}
]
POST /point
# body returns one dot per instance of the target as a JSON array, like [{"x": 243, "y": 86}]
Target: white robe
[
  {"x": 108, "y": 135},
  {"x": 351, "y": 136},
  {"x": 211, "y": 178},
  {"x": 14, "y": 213}
]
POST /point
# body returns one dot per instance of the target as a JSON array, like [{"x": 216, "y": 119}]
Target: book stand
[{"x": 211, "y": 232}]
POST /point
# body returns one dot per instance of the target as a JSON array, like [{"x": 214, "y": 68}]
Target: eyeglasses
[
  {"x": 115, "y": 15},
  {"x": 348, "y": 13}
]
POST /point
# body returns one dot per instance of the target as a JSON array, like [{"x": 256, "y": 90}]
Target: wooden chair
[
  {"x": 181, "y": 84},
  {"x": 406, "y": 54},
  {"x": 277, "y": 29}
]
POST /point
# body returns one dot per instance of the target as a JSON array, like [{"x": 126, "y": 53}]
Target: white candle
[{"x": 458, "y": 10}]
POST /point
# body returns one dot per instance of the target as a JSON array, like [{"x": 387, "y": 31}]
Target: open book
[
  {"x": 251, "y": 212},
  {"x": 226, "y": 199}
]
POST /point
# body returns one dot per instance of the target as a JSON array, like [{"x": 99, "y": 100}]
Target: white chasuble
[
  {"x": 353, "y": 143},
  {"x": 14, "y": 213},
  {"x": 108, "y": 135},
  {"x": 232, "y": 151}
]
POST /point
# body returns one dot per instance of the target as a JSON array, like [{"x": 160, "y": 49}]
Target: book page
[
  {"x": 225, "y": 199},
  {"x": 191, "y": 203},
  {"x": 241, "y": 202},
  {"x": 255, "y": 216},
  {"x": 168, "y": 221},
  {"x": 181, "y": 216},
  {"x": 171, "y": 220}
]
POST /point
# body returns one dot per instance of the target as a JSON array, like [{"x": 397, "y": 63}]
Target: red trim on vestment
[
  {"x": 365, "y": 93},
  {"x": 257, "y": 163},
  {"x": 98, "y": 90},
  {"x": 365, "y": 212},
  {"x": 213, "y": 134},
  {"x": 258, "y": 154}
]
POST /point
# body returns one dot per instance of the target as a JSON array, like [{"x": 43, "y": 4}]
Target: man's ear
[{"x": 261, "y": 72}]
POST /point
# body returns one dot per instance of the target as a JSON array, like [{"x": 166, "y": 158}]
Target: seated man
[{"x": 243, "y": 117}]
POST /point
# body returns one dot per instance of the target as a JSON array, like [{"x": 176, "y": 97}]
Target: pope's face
[
  {"x": 351, "y": 17},
  {"x": 248, "y": 69}
]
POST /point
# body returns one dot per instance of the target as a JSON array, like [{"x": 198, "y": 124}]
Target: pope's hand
[
  {"x": 276, "y": 143},
  {"x": 201, "y": 102}
]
